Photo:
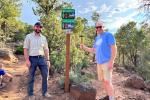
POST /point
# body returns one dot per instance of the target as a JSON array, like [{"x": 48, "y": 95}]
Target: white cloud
[
  {"x": 104, "y": 9},
  {"x": 90, "y": 22},
  {"x": 84, "y": 11},
  {"x": 79, "y": 6},
  {"x": 127, "y": 1},
  {"x": 90, "y": 2},
  {"x": 118, "y": 21},
  {"x": 113, "y": 15},
  {"x": 90, "y": 8},
  {"x": 124, "y": 6},
  {"x": 93, "y": 8}
]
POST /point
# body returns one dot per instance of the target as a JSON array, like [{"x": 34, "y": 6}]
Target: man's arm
[
  {"x": 91, "y": 50},
  {"x": 113, "y": 52},
  {"x": 26, "y": 56},
  {"x": 113, "y": 55},
  {"x": 46, "y": 51}
]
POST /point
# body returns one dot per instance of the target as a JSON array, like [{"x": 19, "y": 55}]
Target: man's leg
[
  {"x": 100, "y": 76},
  {"x": 108, "y": 81},
  {"x": 1, "y": 80},
  {"x": 9, "y": 76},
  {"x": 2, "y": 73},
  {"x": 32, "y": 70},
  {"x": 44, "y": 72}
]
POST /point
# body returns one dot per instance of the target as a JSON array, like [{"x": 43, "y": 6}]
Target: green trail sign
[
  {"x": 68, "y": 16},
  {"x": 68, "y": 24}
]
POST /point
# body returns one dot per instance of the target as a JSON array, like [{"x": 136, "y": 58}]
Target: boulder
[
  {"x": 135, "y": 81},
  {"x": 80, "y": 92},
  {"x": 8, "y": 55},
  {"x": 147, "y": 85}
]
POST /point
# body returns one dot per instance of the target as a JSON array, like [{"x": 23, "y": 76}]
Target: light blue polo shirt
[{"x": 102, "y": 45}]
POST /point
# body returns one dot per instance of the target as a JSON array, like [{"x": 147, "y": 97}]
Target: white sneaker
[
  {"x": 31, "y": 98},
  {"x": 47, "y": 95}
]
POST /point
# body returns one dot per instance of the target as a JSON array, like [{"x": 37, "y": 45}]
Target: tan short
[{"x": 103, "y": 72}]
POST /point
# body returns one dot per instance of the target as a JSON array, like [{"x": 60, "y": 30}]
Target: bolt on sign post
[{"x": 68, "y": 23}]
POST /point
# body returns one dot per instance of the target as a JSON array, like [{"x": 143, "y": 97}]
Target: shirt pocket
[{"x": 42, "y": 43}]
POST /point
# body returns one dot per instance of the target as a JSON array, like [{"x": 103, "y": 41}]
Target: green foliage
[
  {"x": 58, "y": 60},
  {"x": 84, "y": 64},
  {"x": 77, "y": 78},
  {"x": 144, "y": 67},
  {"x": 49, "y": 11},
  {"x": 78, "y": 57},
  {"x": 133, "y": 48},
  {"x": 19, "y": 50},
  {"x": 130, "y": 40},
  {"x": 95, "y": 16},
  {"x": 9, "y": 11}
]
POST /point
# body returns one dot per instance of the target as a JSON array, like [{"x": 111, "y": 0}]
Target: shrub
[{"x": 19, "y": 50}]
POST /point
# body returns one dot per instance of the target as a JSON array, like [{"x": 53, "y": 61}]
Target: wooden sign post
[
  {"x": 67, "y": 82},
  {"x": 68, "y": 22}
]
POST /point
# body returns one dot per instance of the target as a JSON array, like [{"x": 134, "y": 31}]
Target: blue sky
[
  {"x": 27, "y": 14},
  {"x": 113, "y": 13}
]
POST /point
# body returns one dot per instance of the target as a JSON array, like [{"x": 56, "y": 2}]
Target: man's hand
[
  {"x": 81, "y": 46},
  {"x": 28, "y": 64},
  {"x": 48, "y": 64},
  {"x": 110, "y": 65}
]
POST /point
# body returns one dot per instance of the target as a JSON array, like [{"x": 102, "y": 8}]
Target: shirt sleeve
[
  {"x": 26, "y": 42},
  {"x": 111, "y": 39}
]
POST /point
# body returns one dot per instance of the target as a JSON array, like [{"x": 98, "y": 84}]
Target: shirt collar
[
  {"x": 100, "y": 34},
  {"x": 35, "y": 35}
]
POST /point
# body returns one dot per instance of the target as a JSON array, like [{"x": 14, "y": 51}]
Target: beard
[{"x": 38, "y": 31}]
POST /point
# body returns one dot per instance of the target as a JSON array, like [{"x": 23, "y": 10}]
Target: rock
[
  {"x": 137, "y": 97},
  {"x": 135, "y": 81},
  {"x": 147, "y": 85},
  {"x": 80, "y": 92},
  {"x": 123, "y": 71},
  {"x": 140, "y": 97},
  {"x": 8, "y": 55},
  {"x": 2, "y": 86}
]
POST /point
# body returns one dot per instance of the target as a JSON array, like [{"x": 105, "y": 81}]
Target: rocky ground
[{"x": 16, "y": 90}]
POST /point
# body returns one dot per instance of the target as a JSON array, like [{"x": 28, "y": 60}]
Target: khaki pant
[{"x": 103, "y": 72}]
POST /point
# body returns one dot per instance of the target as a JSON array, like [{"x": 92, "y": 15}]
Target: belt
[{"x": 38, "y": 56}]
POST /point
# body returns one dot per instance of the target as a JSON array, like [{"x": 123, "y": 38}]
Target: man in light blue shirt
[{"x": 105, "y": 50}]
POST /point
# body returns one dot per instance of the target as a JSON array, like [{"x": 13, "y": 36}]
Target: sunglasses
[
  {"x": 98, "y": 27},
  {"x": 38, "y": 26}
]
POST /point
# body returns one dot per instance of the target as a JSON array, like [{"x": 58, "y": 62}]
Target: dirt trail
[
  {"x": 16, "y": 90},
  {"x": 12, "y": 91}
]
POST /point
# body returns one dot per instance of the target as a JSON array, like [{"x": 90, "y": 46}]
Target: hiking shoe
[
  {"x": 31, "y": 98},
  {"x": 10, "y": 80},
  {"x": 105, "y": 98},
  {"x": 47, "y": 95}
]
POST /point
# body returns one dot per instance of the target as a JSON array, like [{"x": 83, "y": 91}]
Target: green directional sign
[
  {"x": 68, "y": 24},
  {"x": 68, "y": 16}
]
